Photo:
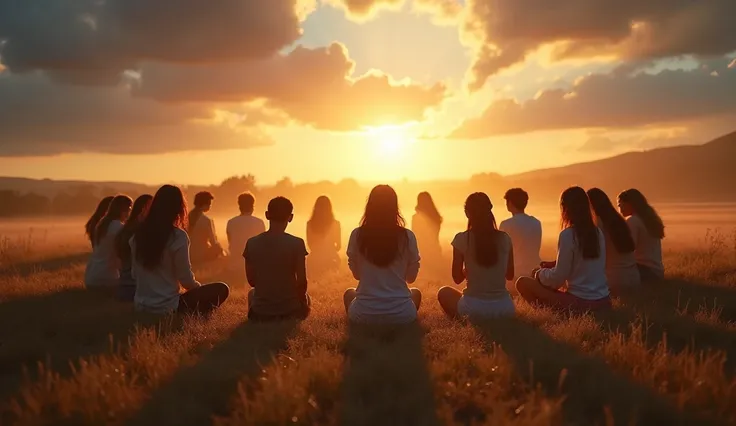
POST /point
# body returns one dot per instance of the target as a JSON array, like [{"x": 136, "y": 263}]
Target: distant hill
[
  {"x": 50, "y": 188},
  {"x": 685, "y": 173}
]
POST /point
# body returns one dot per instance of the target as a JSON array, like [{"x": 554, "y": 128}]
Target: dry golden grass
[{"x": 665, "y": 355}]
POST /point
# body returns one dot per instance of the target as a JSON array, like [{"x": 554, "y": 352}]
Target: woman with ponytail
[
  {"x": 484, "y": 257},
  {"x": 577, "y": 280}
]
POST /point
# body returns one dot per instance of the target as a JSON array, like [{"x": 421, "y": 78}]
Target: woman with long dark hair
[
  {"x": 161, "y": 263},
  {"x": 383, "y": 256},
  {"x": 484, "y": 257},
  {"x": 126, "y": 287},
  {"x": 323, "y": 238},
  {"x": 103, "y": 266},
  {"x": 647, "y": 230},
  {"x": 581, "y": 262},
  {"x": 621, "y": 269},
  {"x": 91, "y": 225},
  {"x": 426, "y": 224}
]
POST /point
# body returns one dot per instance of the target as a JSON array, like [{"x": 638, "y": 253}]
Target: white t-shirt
[
  {"x": 103, "y": 266},
  {"x": 648, "y": 248},
  {"x": 585, "y": 278},
  {"x": 157, "y": 289},
  {"x": 526, "y": 235},
  {"x": 484, "y": 282},
  {"x": 239, "y": 230},
  {"x": 383, "y": 295}
]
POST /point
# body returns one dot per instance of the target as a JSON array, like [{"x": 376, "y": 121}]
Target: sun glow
[{"x": 389, "y": 141}]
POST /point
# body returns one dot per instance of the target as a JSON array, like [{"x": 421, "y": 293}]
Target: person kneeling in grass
[
  {"x": 485, "y": 257},
  {"x": 161, "y": 263},
  {"x": 275, "y": 265},
  {"x": 383, "y": 256}
]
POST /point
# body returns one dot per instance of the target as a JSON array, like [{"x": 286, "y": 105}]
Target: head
[
  {"x": 482, "y": 227},
  {"x": 382, "y": 234},
  {"x": 426, "y": 206},
  {"x": 633, "y": 202},
  {"x": 203, "y": 201},
  {"x": 322, "y": 215},
  {"x": 168, "y": 211},
  {"x": 246, "y": 203},
  {"x": 137, "y": 214},
  {"x": 516, "y": 200},
  {"x": 102, "y": 206},
  {"x": 611, "y": 221},
  {"x": 576, "y": 213},
  {"x": 119, "y": 209},
  {"x": 280, "y": 211}
]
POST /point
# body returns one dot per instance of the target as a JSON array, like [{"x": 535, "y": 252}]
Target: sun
[{"x": 389, "y": 141}]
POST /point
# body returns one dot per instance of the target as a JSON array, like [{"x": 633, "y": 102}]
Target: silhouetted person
[
  {"x": 577, "y": 280},
  {"x": 161, "y": 263},
  {"x": 426, "y": 224},
  {"x": 91, "y": 225},
  {"x": 525, "y": 232},
  {"x": 205, "y": 247},
  {"x": 241, "y": 228},
  {"x": 103, "y": 265},
  {"x": 621, "y": 269},
  {"x": 647, "y": 230},
  {"x": 126, "y": 286},
  {"x": 276, "y": 268},
  {"x": 383, "y": 256},
  {"x": 483, "y": 256},
  {"x": 323, "y": 238}
]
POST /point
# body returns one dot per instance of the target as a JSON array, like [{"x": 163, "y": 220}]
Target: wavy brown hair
[
  {"x": 168, "y": 211},
  {"x": 482, "y": 227},
  {"x": 118, "y": 205},
  {"x": 382, "y": 233},
  {"x": 322, "y": 215},
  {"x": 576, "y": 213},
  {"x": 122, "y": 240},
  {"x": 652, "y": 221},
  {"x": 611, "y": 221},
  {"x": 91, "y": 225},
  {"x": 426, "y": 207}
]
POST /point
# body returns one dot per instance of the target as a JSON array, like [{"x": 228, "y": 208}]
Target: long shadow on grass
[
  {"x": 386, "y": 380},
  {"x": 59, "y": 328},
  {"x": 589, "y": 385},
  {"x": 685, "y": 295},
  {"x": 25, "y": 269},
  {"x": 197, "y": 393}
]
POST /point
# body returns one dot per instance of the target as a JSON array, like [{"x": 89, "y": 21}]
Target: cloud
[
  {"x": 362, "y": 10},
  {"x": 39, "y": 117},
  {"x": 91, "y": 41},
  {"x": 616, "y": 100},
  {"x": 313, "y": 86},
  {"x": 506, "y": 31}
]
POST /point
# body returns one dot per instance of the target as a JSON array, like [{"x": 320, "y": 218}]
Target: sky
[{"x": 195, "y": 91}]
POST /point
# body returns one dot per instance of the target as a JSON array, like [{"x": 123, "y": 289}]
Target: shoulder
[
  {"x": 205, "y": 218},
  {"x": 410, "y": 235},
  {"x": 179, "y": 238},
  {"x": 506, "y": 222},
  {"x": 461, "y": 240},
  {"x": 355, "y": 233},
  {"x": 567, "y": 234}
]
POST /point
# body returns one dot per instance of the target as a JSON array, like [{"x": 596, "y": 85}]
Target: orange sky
[{"x": 423, "y": 89}]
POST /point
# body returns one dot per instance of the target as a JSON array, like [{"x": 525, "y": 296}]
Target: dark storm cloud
[
  {"x": 616, "y": 100},
  {"x": 508, "y": 30}
]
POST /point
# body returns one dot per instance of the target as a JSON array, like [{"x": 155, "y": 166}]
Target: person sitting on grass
[
  {"x": 485, "y": 257},
  {"x": 126, "y": 286},
  {"x": 100, "y": 211},
  {"x": 647, "y": 229},
  {"x": 161, "y": 263},
  {"x": 205, "y": 247},
  {"x": 324, "y": 238},
  {"x": 383, "y": 256},
  {"x": 621, "y": 269},
  {"x": 581, "y": 262},
  {"x": 103, "y": 265},
  {"x": 241, "y": 228},
  {"x": 525, "y": 232},
  {"x": 275, "y": 266}
]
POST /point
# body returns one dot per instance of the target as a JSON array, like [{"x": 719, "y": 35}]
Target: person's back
[
  {"x": 584, "y": 278},
  {"x": 484, "y": 282},
  {"x": 382, "y": 294},
  {"x": 621, "y": 268},
  {"x": 648, "y": 251},
  {"x": 526, "y": 235},
  {"x": 239, "y": 230},
  {"x": 201, "y": 235},
  {"x": 157, "y": 289},
  {"x": 103, "y": 265},
  {"x": 427, "y": 232}
]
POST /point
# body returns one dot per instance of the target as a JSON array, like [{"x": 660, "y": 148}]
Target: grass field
[{"x": 666, "y": 355}]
